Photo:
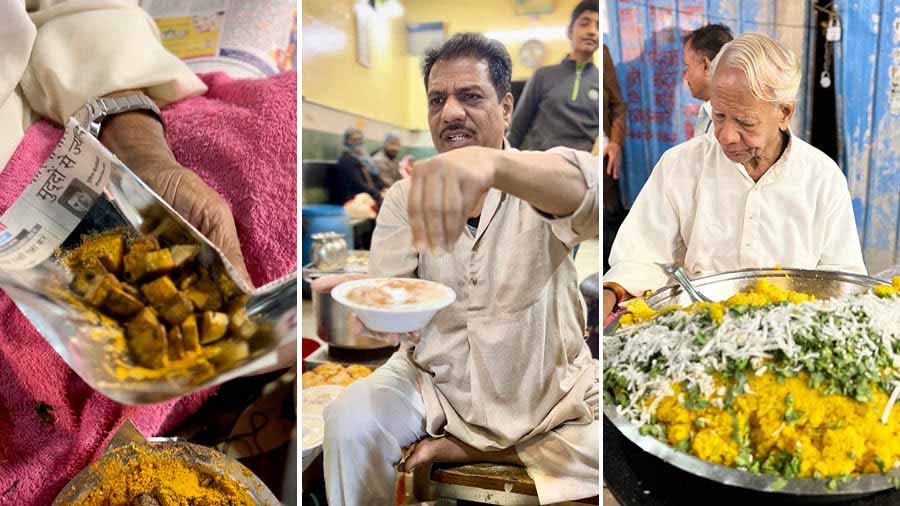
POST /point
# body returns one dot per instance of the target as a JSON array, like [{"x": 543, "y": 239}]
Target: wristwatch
[{"x": 96, "y": 110}]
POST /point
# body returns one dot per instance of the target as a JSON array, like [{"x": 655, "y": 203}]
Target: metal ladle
[{"x": 677, "y": 272}]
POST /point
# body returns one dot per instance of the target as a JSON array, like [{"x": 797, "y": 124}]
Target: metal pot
[
  {"x": 339, "y": 327},
  {"x": 329, "y": 251}
]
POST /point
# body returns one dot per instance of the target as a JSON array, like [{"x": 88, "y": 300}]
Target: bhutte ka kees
[
  {"x": 770, "y": 381},
  {"x": 171, "y": 307}
]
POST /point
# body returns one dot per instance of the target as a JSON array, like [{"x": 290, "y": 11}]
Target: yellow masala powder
[{"x": 165, "y": 477}]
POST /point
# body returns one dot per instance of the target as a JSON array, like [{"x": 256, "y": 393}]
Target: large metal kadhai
[{"x": 822, "y": 284}]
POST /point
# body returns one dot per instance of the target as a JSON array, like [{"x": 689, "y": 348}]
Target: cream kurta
[
  {"x": 703, "y": 211},
  {"x": 507, "y": 361},
  {"x": 59, "y": 54}
]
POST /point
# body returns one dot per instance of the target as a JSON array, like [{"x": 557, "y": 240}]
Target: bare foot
[{"x": 450, "y": 449}]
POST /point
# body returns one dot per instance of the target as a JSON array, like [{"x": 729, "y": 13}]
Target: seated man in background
[
  {"x": 559, "y": 105},
  {"x": 387, "y": 162},
  {"x": 700, "y": 49},
  {"x": 355, "y": 172},
  {"x": 503, "y": 374},
  {"x": 751, "y": 196}
]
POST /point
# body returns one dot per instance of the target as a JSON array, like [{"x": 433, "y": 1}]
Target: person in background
[
  {"x": 614, "y": 110},
  {"x": 558, "y": 106},
  {"x": 700, "y": 48},
  {"x": 751, "y": 195},
  {"x": 356, "y": 171},
  {"x": 387, "y": 162}
]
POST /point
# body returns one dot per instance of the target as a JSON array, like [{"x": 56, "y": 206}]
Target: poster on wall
[
  {"x": 531, "y": 7},
  {"x": 420, "y": 37},
  {"x": 364, "y": 15}
]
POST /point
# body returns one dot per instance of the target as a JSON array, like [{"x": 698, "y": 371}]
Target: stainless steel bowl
[
  {"x": 335, "y": 323},
  {"x": 822, "y": 284}
]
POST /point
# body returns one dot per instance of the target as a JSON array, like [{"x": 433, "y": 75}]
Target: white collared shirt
[
  {"x": 704, "y": 120},
  {"x": 703, "y": 211}
]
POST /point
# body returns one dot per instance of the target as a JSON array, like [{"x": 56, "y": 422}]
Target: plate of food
[
  {"x": 788, "y": 383},
  {"x": 394, "y": 304}
]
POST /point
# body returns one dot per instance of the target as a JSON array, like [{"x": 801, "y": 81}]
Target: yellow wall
[
  {"x": 331, "y": 74},
  {"x": 392, "y": 90}
]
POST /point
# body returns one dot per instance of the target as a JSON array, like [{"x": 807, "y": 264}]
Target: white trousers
[{"x": 368, "y": 424}]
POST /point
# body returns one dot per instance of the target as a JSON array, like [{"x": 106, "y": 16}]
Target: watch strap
[{"x": 92, "y": 115}]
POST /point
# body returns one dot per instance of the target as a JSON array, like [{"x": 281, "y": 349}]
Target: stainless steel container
[{"x": 329, "y": 251}]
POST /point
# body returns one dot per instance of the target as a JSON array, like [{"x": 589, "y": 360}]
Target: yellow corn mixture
[{"x": 832, "y": 434}]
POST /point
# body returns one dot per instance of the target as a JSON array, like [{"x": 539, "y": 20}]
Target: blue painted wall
[
  {"x": 644, "y": 39},
  {"x": 867, "y": 62}
]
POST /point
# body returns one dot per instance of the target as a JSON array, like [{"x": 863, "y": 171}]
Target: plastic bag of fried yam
[{"x": 139, "y": 303}]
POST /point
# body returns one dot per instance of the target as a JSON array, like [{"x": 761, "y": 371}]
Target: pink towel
[{"x": 241, "y": 139}]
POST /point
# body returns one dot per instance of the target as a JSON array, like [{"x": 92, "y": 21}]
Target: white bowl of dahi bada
[{"x": 394, "y": 304}]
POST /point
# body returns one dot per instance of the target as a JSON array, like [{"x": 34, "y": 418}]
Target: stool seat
[{"x": 482, "y": 483}]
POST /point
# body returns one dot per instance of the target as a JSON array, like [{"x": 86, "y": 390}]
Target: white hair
[{"x": 772, "y": 70}]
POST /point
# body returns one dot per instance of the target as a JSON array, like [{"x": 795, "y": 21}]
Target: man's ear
[{"x": 507, "y": 105}]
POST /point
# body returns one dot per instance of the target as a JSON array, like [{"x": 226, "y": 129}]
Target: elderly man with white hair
[{"x": 752, "y": 196}]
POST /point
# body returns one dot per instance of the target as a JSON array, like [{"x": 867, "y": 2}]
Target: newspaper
[
  {"x": 244, "y": 38},
  {"x": 66, "y": 187}
]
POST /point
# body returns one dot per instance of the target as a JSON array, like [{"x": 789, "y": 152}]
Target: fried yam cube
[
  {"x": 158, "y": 262},
  {"x": 177, "y": 309},
  {"x": 205, "y": 295},
  {"x": 142, "y": 264},
  {"x": 240, "y": 324},
  {"x": 226, "y": 285},
  {"x": 108, "y": 248},
  {"x": 144, "y": 244},
  {"x": 230, "y": 352},
  {"x": 175, "y": 344},
  {"x": 147, "y": 339},
  {"x": 190, "y": 335},
  {"x": 100, "y": 289},
  {"x": 183, "y": 254},
  {"x": 87, "y": 271},
  {"x": 159, "y": 291},
  {"x": 120, "y": 303},
  {"x": 213, "y": 327}
]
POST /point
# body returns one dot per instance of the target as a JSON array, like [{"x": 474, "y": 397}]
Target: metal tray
[{"x": 822, "y": 284}]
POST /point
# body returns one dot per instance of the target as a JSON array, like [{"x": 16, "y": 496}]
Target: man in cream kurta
[
  {"x": 58, "y": 54},
  {"x": 505, "y": 367},
  {"x": 703, "y": 211}
]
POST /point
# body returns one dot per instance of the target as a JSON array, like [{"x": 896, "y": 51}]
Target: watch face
[{"x": 531, "y": 54}]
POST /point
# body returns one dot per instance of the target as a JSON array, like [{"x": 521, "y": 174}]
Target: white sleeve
[
  {"x": 584, "y": 222},
  {"x": 650, "y": 234},
  {"x": 841, "y": 250},
  {"x": 85, "y": 49}
]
